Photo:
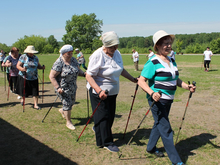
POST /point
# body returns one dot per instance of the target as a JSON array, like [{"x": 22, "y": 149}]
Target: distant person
[
  {"x": 172, "y": 54},
  {"x": 151, "y": 53},
  {"x": 2, "y": 57},
  {"x": 27, "y": 65},
  {"x": 207, "y": 58},
  {"x": 7, "y": 68},
  {"x": 80, "y": 58},
  {"x": 135, "y": 57},
  {"x": 11, "y": 62}
]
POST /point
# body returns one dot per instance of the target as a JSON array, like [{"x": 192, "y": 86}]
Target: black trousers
[{"x": 103, "y": 118}]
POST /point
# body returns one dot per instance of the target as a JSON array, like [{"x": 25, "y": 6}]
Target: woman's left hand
[{"x": 192, "y": 88}]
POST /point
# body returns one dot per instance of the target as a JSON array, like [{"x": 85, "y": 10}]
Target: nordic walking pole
[
  {"x": 9, "y": 83},
  {"x": 5, "y": 79},
  {"x": 106, "y": 92},
  {"x": 49, "y": 109},
  {"x": 88, "y": 102},
  {"x": 140, "y": 123},
  {"x": 131, "y": 109},
  {"x": 24, "y": 91},
  {"x": 43, "y": 86},
  {"x": 190, "y": 95}
]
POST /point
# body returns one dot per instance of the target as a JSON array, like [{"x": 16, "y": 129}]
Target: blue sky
[{"x": 125, "y": 17}]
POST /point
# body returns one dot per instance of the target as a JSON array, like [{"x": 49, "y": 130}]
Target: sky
[{"x": 126, "y": 17}]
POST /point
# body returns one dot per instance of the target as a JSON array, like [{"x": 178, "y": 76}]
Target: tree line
[{"x": 84, "y": 31}]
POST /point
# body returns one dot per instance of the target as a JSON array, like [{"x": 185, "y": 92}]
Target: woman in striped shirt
[{"x": 162, "y": 75}]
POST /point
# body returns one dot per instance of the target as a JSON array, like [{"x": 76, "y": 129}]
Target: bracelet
[
  {"x": 58, "y": 88},
  {"x": 99, "y": 92},
  {"x": 152, "y": 94}
]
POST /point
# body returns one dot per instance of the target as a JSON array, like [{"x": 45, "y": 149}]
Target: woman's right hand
[
  {"x": 156, "y": 96},
  {"x": 59, "y": 90},
  {"x": 102, "y": 95}
]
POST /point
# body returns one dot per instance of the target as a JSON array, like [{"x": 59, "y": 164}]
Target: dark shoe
[
  {"x": 181, "y": 163},
  {"x": 112, "y": 148},
  {"x": 157, "y": 153}
]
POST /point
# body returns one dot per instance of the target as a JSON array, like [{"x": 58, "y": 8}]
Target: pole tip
[{"x": 120, "y": 156}]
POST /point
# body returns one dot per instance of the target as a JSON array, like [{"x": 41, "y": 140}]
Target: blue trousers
[{"x": 162, "y": 128}]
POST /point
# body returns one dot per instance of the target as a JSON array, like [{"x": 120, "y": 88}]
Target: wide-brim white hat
[
  {"x": 30, "y": 49},
  {"x": 160, "y": 34}
]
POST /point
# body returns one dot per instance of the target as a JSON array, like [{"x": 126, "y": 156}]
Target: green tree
[
  {"x": 53, "y": 41},
  {"x": 81, "y": 30},
  {"x": 37, "y": 41},
  {"x": 215, "y": 46},
  {"x": 48, "y": 48},
  {"x": 5, "y": 48},
  {"x": 179, "y": 46}
]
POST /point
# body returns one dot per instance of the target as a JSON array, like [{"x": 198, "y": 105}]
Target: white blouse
[{"x": 105, "y": 70}]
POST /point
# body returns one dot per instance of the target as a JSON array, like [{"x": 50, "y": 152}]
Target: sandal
[{"x": 38, "y": 108}]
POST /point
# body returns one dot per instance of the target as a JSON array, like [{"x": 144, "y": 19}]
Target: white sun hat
[
  {"x": 110, "y": 39},
  {"x": 30, "y": 49},
  {"x": 160, "y": 34}
]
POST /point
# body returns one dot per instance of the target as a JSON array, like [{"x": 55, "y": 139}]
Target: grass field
[{"x": 24, "y": 139}]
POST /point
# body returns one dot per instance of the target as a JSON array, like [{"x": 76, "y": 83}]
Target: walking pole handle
[{"x": 194, "y": 84}]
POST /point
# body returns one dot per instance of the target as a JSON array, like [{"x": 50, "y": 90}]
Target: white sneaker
[{"x": 19, "y": 97}]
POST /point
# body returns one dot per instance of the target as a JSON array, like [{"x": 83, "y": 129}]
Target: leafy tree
[
  {"x": 5, "y": 48},
  {"x": 197, "y": 48},
  {"x": 48, "y": 49},
  {"x": 53, "y": 41},
  {"x": 179, "y": 46},
  {"x": 81, "y": 30},
  {"x": 37, "y": 41},
  {"x": 215, "y": 46}
]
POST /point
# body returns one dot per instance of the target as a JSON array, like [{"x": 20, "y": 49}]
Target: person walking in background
[
  {"x": 6, "y": 68},
  {"x": 135, "y": 57},
  {"x": 162, "y": 75},
  {"x": 81, "y": 59},
  {"x": 63, "y": 76},
  {"x": 172, "y": 54},
  {"x": 105, "y": 67},
  {"x": 27, "y": 65},
  {"x": 207, "y": 58},
  {"x": 11, "y": 62},
  {"x": 151, "y": 53},
  {"x": 2, "y": 57}
]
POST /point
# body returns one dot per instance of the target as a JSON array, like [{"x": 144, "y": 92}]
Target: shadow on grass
[
  {"x": 185, "y": 147},
  {"x": 17, "y": 147}
]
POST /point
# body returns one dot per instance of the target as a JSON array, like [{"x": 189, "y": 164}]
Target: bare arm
[
  {"x": 183, "y": 85},
  {"x": 20, "y": 66},
  {"x": 125, "y": 74},
  {"x": 52, "y": 76},
  {"x": 95, "y": 86},
  {"x": 142, "y": 83}
]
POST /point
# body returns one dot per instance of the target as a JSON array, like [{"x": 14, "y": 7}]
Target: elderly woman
[
  {"x": 11, "y": 62},
  {"x": 63, "y": 76},
  {"x": 105, "y": 67},
  {"x": 27, "y": 65},
  {"x": 162, "y": 75}
]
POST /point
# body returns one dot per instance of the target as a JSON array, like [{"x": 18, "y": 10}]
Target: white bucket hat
[
  {"x": 160, "y": 34},
  {"x": 30, "y": 49},
  {"x": 109, "y": 39}
]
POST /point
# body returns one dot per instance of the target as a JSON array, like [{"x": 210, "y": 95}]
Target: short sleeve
[
  {"x": 95, "y": 61},
  {"x": 148, "y": 70},
  {"x": 57, "y": 66}
]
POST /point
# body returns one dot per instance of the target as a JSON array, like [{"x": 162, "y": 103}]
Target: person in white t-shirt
[
  {"x": 172, "y": 54},
  {"x": 151, "y": 53},
  {"x": 135, "y": 57},
  {"x": 207, "y": 58},
  {"x": 104, "y": 68}
]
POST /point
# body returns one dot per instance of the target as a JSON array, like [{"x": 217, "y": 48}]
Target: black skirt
[{"x": 31, "y": 87}]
